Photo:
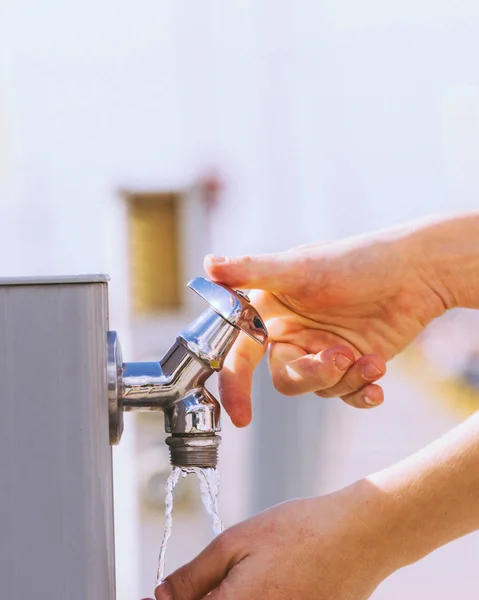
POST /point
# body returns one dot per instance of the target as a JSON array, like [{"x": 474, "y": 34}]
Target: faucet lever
[{"x": 233, "y": 305}]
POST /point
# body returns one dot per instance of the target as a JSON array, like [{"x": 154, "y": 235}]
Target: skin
[
  {"x": 341, "y": 546},
  {"x": 363, "y": 300}
]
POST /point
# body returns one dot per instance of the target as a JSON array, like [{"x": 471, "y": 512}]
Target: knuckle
[
  {"x": 332, "y": 392},
  {"x": 310, "y": 376},
  {"x": 226, "y": 543},
  {"x": 182, "y": 584},
  {"x": 348, "y": 385},
  {"x": 347, "y": 388},
  {"x": 222, "y": 542},
  {"x": 313, "y": 370},
  {"x": 353, "y": 400},
  {"x": 318, "y": 375},
  {"x": 325, "y": 394},
  {"x": 282, "y": 383},
  {"x": 282, "y": 388},
  {"x": 242, "y": 352},
  {"x": 247, "y": 260}
]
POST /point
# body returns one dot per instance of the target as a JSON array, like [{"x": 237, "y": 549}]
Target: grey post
[{"x": 56, "y": 502}]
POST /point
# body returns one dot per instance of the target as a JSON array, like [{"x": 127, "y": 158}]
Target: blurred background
[{"x": 135, "y": 137}]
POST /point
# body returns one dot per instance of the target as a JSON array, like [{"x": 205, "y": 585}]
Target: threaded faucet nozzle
[{"x": 194, "y": 450}]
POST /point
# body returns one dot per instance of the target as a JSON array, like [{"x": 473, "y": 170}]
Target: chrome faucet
[{"x": 176, "y": 384}]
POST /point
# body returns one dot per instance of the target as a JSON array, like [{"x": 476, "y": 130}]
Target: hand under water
[{"x": 321, "y": 548}]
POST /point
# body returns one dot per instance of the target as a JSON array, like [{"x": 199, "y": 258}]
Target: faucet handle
[{"x": 234, "y": 306}]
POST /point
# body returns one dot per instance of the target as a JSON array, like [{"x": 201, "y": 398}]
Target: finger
[
  {"x": 219, "y": 594},
  {"x": 294, "y": 372},
  {"x": 238, "y": 584},
  {"x": 282, "y": 271},
  {"x": 203, "y": 574},
  {"x": 236, "y": 378},
  {"x": 364, "y": 371},
  {"x": 368, "y": 397}
]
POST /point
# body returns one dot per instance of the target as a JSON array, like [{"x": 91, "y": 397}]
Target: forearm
[
  {"x": 448, "y": 249},
  {"x": 426, "y": 500}
]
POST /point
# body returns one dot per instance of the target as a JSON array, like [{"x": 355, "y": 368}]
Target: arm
[
  {"x": 449, "y": 251},
  {"x": 337, "y": 312},
  {"x": 344, "y": 544},
  {"x": 432, "y": 497}
]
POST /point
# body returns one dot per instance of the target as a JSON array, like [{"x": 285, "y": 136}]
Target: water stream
[{"x": 209, "y": 481}]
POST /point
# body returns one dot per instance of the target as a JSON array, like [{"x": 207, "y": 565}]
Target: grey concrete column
[{"x": 56, "y": 501}]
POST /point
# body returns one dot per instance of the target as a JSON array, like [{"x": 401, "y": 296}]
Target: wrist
[
  {"x": 377, "y": 516},
  {"x": 446, "y": 256},
  {"x": 396, "y": 535}
]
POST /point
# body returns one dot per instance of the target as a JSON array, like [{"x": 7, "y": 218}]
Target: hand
[
  {"x": 344, "y": 544},
  {"x": 314, "y": 548},
  {"x": 335, "y": 313}
]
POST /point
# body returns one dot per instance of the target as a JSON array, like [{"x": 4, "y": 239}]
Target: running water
[
  {"x": 209, "y": 480},
  {"x": 209, "y": 485},
  {"x": 170, "y": 486}
]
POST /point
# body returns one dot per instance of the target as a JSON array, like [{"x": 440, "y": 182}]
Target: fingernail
[
  {"x": 216, "y": 259},
  {"x": 370, "y": 371},
  {"x": 342, "y": 362},
  {"x": 163, "y": 592},
  {"x": 369, "y": 401}
]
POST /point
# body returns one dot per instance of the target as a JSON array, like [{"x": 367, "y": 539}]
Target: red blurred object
[{"x": 212, "y": 186}]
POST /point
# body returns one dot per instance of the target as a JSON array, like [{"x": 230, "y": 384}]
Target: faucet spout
[
  {"x": 175, "y": 385},
  {"x": 193, "y": 424}
]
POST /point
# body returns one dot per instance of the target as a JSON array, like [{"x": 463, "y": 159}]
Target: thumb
[
  {"x": 281, "y": 271},
  {"x": 203, "y": 574},
  {"x": 236, "y": 378}
]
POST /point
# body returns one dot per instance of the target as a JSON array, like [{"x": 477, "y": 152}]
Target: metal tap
[{"x": 176, "y": 384}]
